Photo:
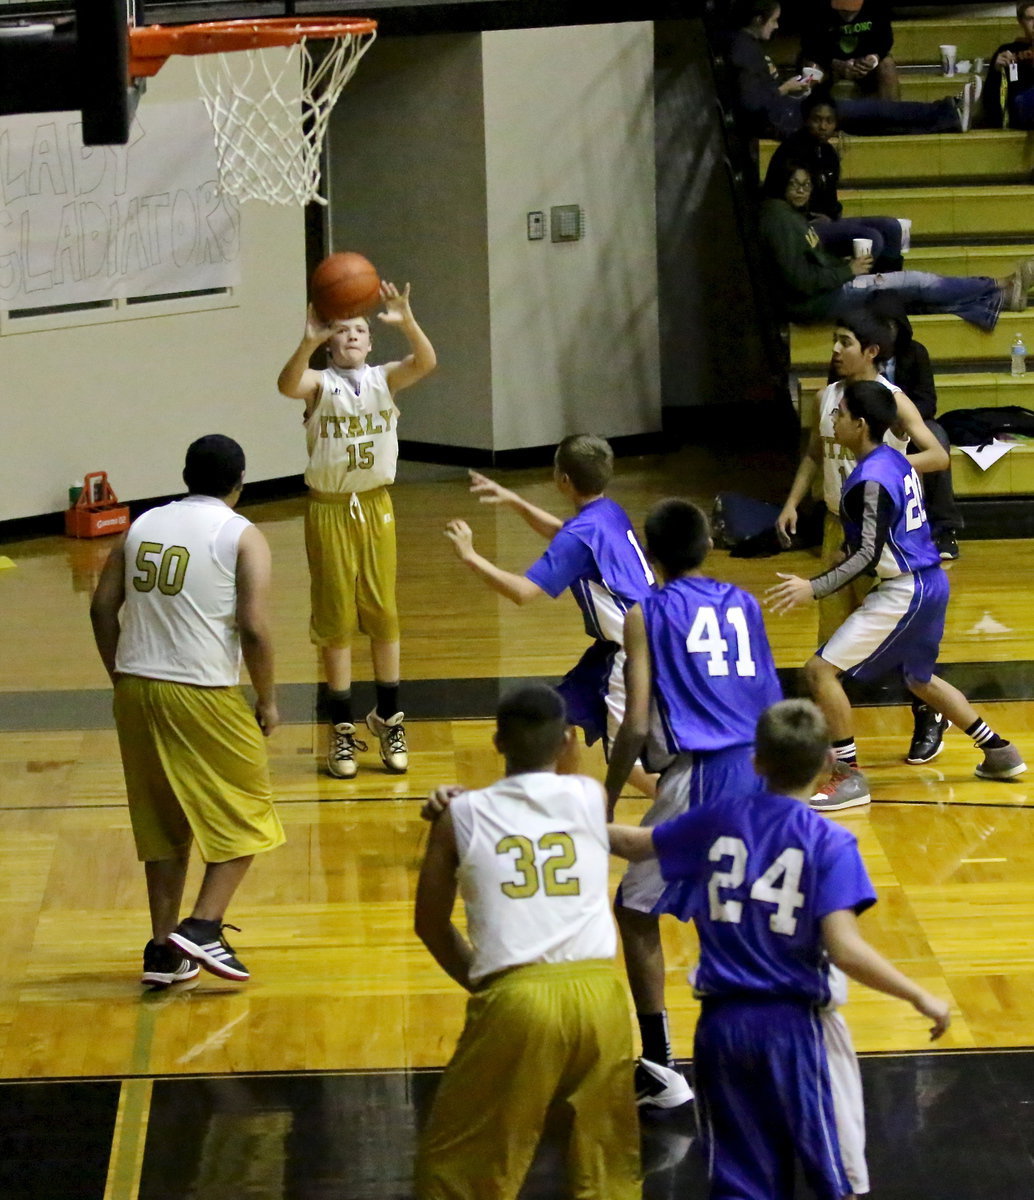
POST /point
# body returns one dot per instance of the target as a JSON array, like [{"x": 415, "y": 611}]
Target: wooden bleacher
[{"x": 970, "y": 197}]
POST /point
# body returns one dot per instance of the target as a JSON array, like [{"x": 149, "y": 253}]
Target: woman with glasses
[{"x": 811, "y": 284}]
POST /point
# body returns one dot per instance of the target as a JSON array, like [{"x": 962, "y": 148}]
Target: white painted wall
[
  {"x": 128, "y": 396},
  {"x": 407, "y": 189},
  {"x": 439, "y": 148},
  {"x": 569, "y": 120}
]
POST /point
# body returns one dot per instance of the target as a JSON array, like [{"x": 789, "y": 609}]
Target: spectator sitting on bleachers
[
  {"x": 810, "y": 284},
  {"x": 766, "y": 108},
  {"x": 1008, "y": 94},
  {"x": 850, "y": 42},
  {"x": 812, "y": 148}
]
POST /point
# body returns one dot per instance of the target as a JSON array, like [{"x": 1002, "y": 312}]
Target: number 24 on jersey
[{"x": 778, "y": 885}]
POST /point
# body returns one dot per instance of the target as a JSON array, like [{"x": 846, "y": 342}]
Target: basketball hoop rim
[{"x": 151, "y": 45}]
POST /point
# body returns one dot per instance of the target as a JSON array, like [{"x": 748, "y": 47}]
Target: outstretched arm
[
  {"x": 435, "y": 900},
  {"x": 490, "y": 492},
  {"x": 517, "y": 588},
  {"x": 850, "y": 951},
  {"x": 871, "y": 504},
  {"x": 634, "y": 842},
  {"x": 635, "y": 725},
  {"x": 421, "y": 359}
]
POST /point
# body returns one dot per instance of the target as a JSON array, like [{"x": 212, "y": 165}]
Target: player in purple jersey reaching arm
[
  {"x": 594, "y": 554},
  {"x": 900, "y": 623},
  {"x": 699, "y": 673},
  {"x": 774, "y": 891}
]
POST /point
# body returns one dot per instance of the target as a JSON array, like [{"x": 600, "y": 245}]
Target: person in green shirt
[{"x": 811, "y": 285}]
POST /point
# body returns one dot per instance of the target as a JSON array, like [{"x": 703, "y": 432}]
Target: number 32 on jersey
[{"x": 551, "y": 872}]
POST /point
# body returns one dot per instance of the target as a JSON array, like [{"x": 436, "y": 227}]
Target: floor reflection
[{"x": 942, "y": 1126}]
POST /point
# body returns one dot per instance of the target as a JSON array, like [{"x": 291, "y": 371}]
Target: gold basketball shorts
[
  {"x": 196, "y": 769},
  {"x": 537, "y": 1036},
  {"x": 350, "y": 543}
]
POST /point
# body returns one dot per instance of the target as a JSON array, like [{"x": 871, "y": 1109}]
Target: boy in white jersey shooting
[
  {"x": 774, "y": 891},
  {"x": 547, "y": 1023},
  {"x": 190, "y": 582},
  {"x": 352, "y": 438},
  {"x": 862, "y": 343}
]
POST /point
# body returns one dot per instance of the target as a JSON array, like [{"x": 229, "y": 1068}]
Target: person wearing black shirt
[
  {"x": 767, "y": 108},
  {"x": 810, "y": 284},
  {"x": 811, "y": 147},
  {"x": 851, "y": 40},
  {"x": 1008, "y": 94}
]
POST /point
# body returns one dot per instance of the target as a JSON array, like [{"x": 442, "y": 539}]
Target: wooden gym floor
[{"x": 340, "y": 984}]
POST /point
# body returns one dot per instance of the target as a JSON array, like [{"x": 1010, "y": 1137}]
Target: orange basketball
[{"x": 344, "y": 285}]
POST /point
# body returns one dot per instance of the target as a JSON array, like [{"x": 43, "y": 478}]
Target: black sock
[
  {"x": 984, "y": 736},
  {"x": 653, "y": 1029},
  {"x": 387, "y": 700},
  {"x": 844, "y": 751},
  {"x": 339, "y": 707}
]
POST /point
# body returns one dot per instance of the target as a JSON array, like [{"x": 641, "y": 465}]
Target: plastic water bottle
[{"x": 1019, "y": 356}]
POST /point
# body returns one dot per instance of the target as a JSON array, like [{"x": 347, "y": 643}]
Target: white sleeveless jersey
[
  {"x": 351, "y": 434},
  {"x": 533, "y": 873},
  {"x": 179, "y": 620},
  {"x": 838, "y": 463}
]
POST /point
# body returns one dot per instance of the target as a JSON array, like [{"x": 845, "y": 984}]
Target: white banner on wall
[{"x": 83, "y": 223}]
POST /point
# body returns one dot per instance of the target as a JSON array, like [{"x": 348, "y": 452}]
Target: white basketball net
[{"x": 269, "y": 112}]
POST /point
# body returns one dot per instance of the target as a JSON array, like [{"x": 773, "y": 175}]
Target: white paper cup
[
  {"x": 861, "y": 247},
  {"x": 948, "y": 59},
  {"x": 813, "y": 74},
  {"x": 906, "y": 233}
]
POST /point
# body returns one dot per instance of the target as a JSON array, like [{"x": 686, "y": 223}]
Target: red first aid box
[{"x": 97, "y": 512}]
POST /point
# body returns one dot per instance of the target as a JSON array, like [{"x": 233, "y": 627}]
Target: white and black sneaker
[
  {"x": 164, "y": 965},
  {"x": 203, "y": 941},
  {"x": 927, "y": 735},
  {"x": 343, "y": 746},
  {"x": 391, "y": 734},
  {"x": 660, "y": 1087}
]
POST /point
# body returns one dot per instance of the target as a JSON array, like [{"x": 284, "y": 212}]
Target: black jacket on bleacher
[
  {"x": 761, "y": 110},
  {"x": 823, "y": 163}
]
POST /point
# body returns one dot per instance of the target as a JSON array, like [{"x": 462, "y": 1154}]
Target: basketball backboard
[{"x": 56, "y": 62}]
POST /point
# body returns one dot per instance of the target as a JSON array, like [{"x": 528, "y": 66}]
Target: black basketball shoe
[{"x": 203, "y": 941}]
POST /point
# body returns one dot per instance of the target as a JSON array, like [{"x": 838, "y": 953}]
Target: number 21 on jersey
[{"x": 915, "y": 513}]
